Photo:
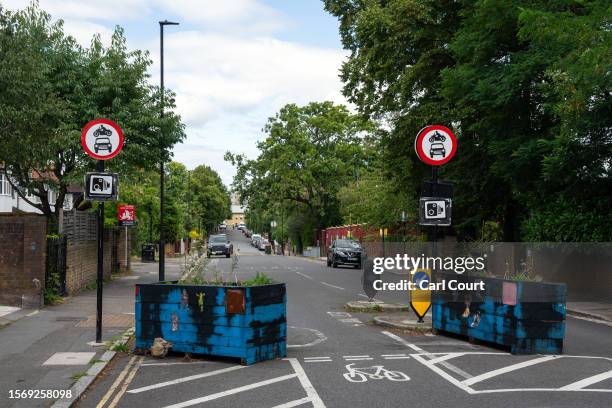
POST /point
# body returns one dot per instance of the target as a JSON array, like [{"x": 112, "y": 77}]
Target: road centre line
[
  {"x": 184, "y": 379},
  {"x": 397, "y": 358},
  {"x": 324, "y": 360},
  {"x": 393, "y": 355},
  {"x": 232, "y": 391},
  {"x": 332, "y": 286},
  {"x": 358, "y": 359},
  {"x": 315, "y": 358},
  {"x": 507, "y": 369},
  {"x": 356, "y": 356},
  {"x": 306, "y": 384},
  {"x": 578, "y": 385},
  {"x": 304, "y": 275}
]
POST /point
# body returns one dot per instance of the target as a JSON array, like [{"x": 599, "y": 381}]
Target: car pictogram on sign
[{"x": 103, "y": 143}]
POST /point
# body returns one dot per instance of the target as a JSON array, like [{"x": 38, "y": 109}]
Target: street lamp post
[
  {"x": 162, "y": 254},
  {"x": 272, "y": 226}
]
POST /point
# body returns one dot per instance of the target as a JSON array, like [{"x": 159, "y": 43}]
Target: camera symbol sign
[
  {"x": 435, "y": 145},
  {"x": 435, "y": 211}
]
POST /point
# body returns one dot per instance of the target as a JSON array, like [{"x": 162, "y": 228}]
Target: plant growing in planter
[{"x": 206, "y": 314}]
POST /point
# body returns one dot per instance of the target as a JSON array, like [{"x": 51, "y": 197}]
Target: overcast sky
[{"x": 232, "y": 63}]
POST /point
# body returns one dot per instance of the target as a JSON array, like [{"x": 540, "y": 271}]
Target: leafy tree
[
  {"x": 51, "y": 87},
  {"x": 210, "y": 200},
  {"x": 309, "y": 154},
  {"x": 524, "y": 83}
]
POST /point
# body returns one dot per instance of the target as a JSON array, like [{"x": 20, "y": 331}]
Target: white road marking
[
  {"x": 443, "y": 374},
  {"x": 359, "y": 359},
  {"x": 393, "y": 355},
  {"x": 315, "y": 358},
  {"x": 590, "y": 319},
  {"x": 184, "y": 379},
  {"x": 169, "y": 364},
  {"x": 303, "y": 275},
  {"x": 295, "y": 403},
  {"x": 448, "y": 366},
  {"x": 33, "y": 313},
  {"x": 303, "y": 378},
  {"x": 355, "y": 356},
  {"x": 332, "y": 286},
  {"x": 339, "y": 314},
  {"x": 232, "y": 391},
  {"x": 320, "y": 338},
  {"x": 352, "y": 320},
  {"x": 503, "y": 370},
  {"x": 445, "y": 357},
  {"x": 397, "y": 358},
  {"x": 537, "y": 390},
  {"x": 578, "y": 385},
  {"x": 319, "y": 361}
]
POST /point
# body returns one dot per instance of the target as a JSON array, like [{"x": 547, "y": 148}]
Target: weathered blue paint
[
  {"x": 534, "y": 324},
  {"x": 195, "y": 319}
]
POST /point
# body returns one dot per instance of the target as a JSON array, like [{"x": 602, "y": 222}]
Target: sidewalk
[{"x": 35, "y": 348}]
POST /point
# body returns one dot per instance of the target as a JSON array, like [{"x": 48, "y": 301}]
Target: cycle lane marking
[
  {"x": 184, "y": 379},
  {"x": 232, "y": 391},
  {"x": 508, "y": 369},
  {"x": 311, "y": 392},
  {"x": 429, "y": 360}
]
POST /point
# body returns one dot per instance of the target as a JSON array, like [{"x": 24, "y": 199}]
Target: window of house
[{"x": 5, "y": 187}]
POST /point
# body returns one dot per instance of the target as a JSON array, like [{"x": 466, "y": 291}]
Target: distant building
[
  {"x": 237, "y": 215},
  {"x": 237, "y": 211}
]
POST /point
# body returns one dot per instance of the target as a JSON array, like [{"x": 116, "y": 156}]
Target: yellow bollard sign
[{"x": 420, "y": 295}]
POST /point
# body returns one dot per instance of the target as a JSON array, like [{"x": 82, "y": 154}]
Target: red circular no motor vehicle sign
[
  {"x": 435, "y": 145},
  {"x": 102, "y": 139}
]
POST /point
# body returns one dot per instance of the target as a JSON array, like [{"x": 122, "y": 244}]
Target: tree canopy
[
  {"x": 51, "y": 87},
  {"x": 525, "y": 84}
]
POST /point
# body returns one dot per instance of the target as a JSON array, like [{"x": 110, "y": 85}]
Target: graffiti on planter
[
  {"x": 184, "y": 299},
  {"x": 201, "y": 301},
  {"x": 359, "y": 375},
  {"x": 175, "y": 321},
  {"x": 476, "y": 319}
]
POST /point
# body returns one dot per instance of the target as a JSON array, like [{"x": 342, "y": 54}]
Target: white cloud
[
  {"x": 229, "y": 71},
  {"x": 105, "y": 10},
  {"x": 219, "y": 74},
  {"x": 234, "y": 15}
]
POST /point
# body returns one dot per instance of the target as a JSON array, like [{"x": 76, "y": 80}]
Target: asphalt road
[{"x": 339, "y": 359}]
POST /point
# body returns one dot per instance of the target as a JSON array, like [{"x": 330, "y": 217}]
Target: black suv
[
  {"x": 345, "y": 252},
  {"x": 219, "y": 245}
]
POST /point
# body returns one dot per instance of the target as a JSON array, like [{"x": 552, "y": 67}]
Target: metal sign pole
[{"x": 100, "y": 279}]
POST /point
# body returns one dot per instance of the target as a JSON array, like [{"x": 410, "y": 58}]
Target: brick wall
[{"x": 22, "y": 259}]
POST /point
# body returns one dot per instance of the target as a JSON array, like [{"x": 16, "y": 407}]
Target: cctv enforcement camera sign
[
  {"x": 102, "y": 139},
  {"x": 101, "y": 186},
  {"x": 435, "y": 211},
  {"x": 435, "y": 145}
]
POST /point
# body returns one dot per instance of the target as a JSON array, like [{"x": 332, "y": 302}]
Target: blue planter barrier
[
  {"x": 529, "y": 317},
  {"x": 248, "y": 323}
]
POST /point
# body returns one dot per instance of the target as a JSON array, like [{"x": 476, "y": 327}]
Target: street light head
[{"x": 166, "y": 22}]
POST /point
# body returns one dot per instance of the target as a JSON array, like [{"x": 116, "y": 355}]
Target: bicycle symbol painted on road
[{"x": 359, "y": 375}]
